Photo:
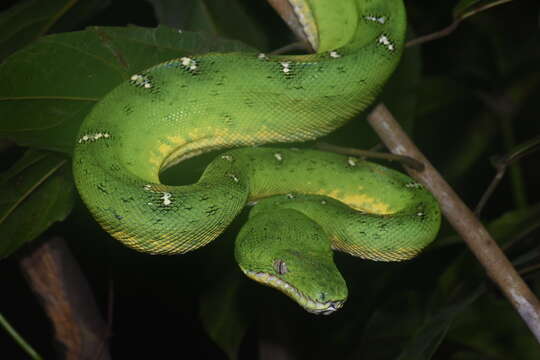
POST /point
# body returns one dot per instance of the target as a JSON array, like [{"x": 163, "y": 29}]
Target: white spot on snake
[
  {"x": 166, "y": 198},
  {"x": 379, "y": 19},
  {"x": 285, "y": 67},
  {"x": 323, "y": 202},
  {"x": 234, "y": 177},
  {"x": 227, "y": 157},
  {"x": 278, "y": 156},
  {"x": 352, "y": 161},
  {"x": 141, "y": 81},
  {"x": 420, "y": 213},
  {"x": 189, "y": 63},
  {"x": 147, "y": 187},
  {"x": 93, "y": 137},
  {"x": 185, "y": 61},
  {"x": 384, "y": 40},
  {"x": 290, "y": 196},
  {"x": 413, "y": 185},
  {"x": 334, "y": 54},
  {"x": 262, "y": 56}
]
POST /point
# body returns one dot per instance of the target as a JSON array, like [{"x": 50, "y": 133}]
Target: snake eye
[{"x": 280, "y": 267}]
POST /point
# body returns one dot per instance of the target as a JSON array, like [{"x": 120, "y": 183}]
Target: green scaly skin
[{"x": 308, "y": 202}]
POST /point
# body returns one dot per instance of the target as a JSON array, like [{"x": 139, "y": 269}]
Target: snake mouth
[{"x": 309, "y": 304}]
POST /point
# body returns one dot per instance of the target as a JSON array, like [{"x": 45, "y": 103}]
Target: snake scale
[{"x": 307, "y": 203}]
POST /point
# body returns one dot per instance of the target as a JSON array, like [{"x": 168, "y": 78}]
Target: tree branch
[
  {"x": 454, "y": 25},
  {"x": 55, "y": 276},
  {"x": 480, "y": 242}
]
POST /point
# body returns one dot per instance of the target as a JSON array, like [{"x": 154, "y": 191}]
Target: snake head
[{"x": 286, "y": 250}]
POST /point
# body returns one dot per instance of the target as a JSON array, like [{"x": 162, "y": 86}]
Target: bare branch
[
  {"x": 406, "y": 160},
  {"x": 435, "y": 35},
  {"x": 55, "y": 276},
  {"x": 285, "y": 10},
  {"x": 453, "y": 26},
  {"x": 480, "y": 242},
  {"x": 19, "y": 339}
]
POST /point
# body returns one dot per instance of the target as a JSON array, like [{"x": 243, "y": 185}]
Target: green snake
[{"x": 306, "y": 202}]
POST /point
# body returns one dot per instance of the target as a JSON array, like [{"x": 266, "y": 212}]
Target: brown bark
[
  {"x": 54, "y": 275},
  {"x": 471, "y": 230}
]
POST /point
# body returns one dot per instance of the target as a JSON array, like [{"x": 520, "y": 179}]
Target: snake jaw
[
  {"x": 331, "y": 307},
  {"x": 327, "y": 309},
  {"x": 309, "y": 304}
]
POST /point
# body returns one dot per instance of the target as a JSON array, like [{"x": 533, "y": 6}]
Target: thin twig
[
  {"x": 505, "y": 107},
  {"x": 19, "y": 339},
  {"x": 406, "y": 160},
  {"x": 520, "y": 236},
  {"x": 480, "y": 242},
  {"x": 501, "y": 170},
  {"x": 529, "y": 270},
  {"x": 453, "y": 26},
  {"x": 286, "y": 11},
  {"x": 435, "y": 35}
]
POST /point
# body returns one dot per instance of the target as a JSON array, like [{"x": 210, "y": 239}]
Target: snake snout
[{"x": 329, "y": 309}]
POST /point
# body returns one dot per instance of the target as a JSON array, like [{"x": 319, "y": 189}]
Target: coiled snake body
[{"x": 308, "y": 202}]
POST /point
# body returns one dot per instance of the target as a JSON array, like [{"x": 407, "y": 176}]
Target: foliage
[{"x": 464, "y": 98}]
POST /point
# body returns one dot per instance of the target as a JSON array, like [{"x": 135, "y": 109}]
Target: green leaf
[
  {"x": 207, "y": 16},
  {"x": 453, "y": 287},
  {"x": 35, "y": 192},
  {"x": 79, "y": 15},
  {"x": 506, "y": 336},
  {"x": 505, "y": 227},
  {"x": 47, "y": 88},
  {"x": 429, "y": 336},
  {"x": 27, "y": 21},
  {"x": 223, "y": 318},
  {"x": 511, "y": 223},
  {"x": 460, "y": 296}
]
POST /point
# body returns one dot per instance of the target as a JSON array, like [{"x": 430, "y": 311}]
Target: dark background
[{"x": 465, "y": 87}]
